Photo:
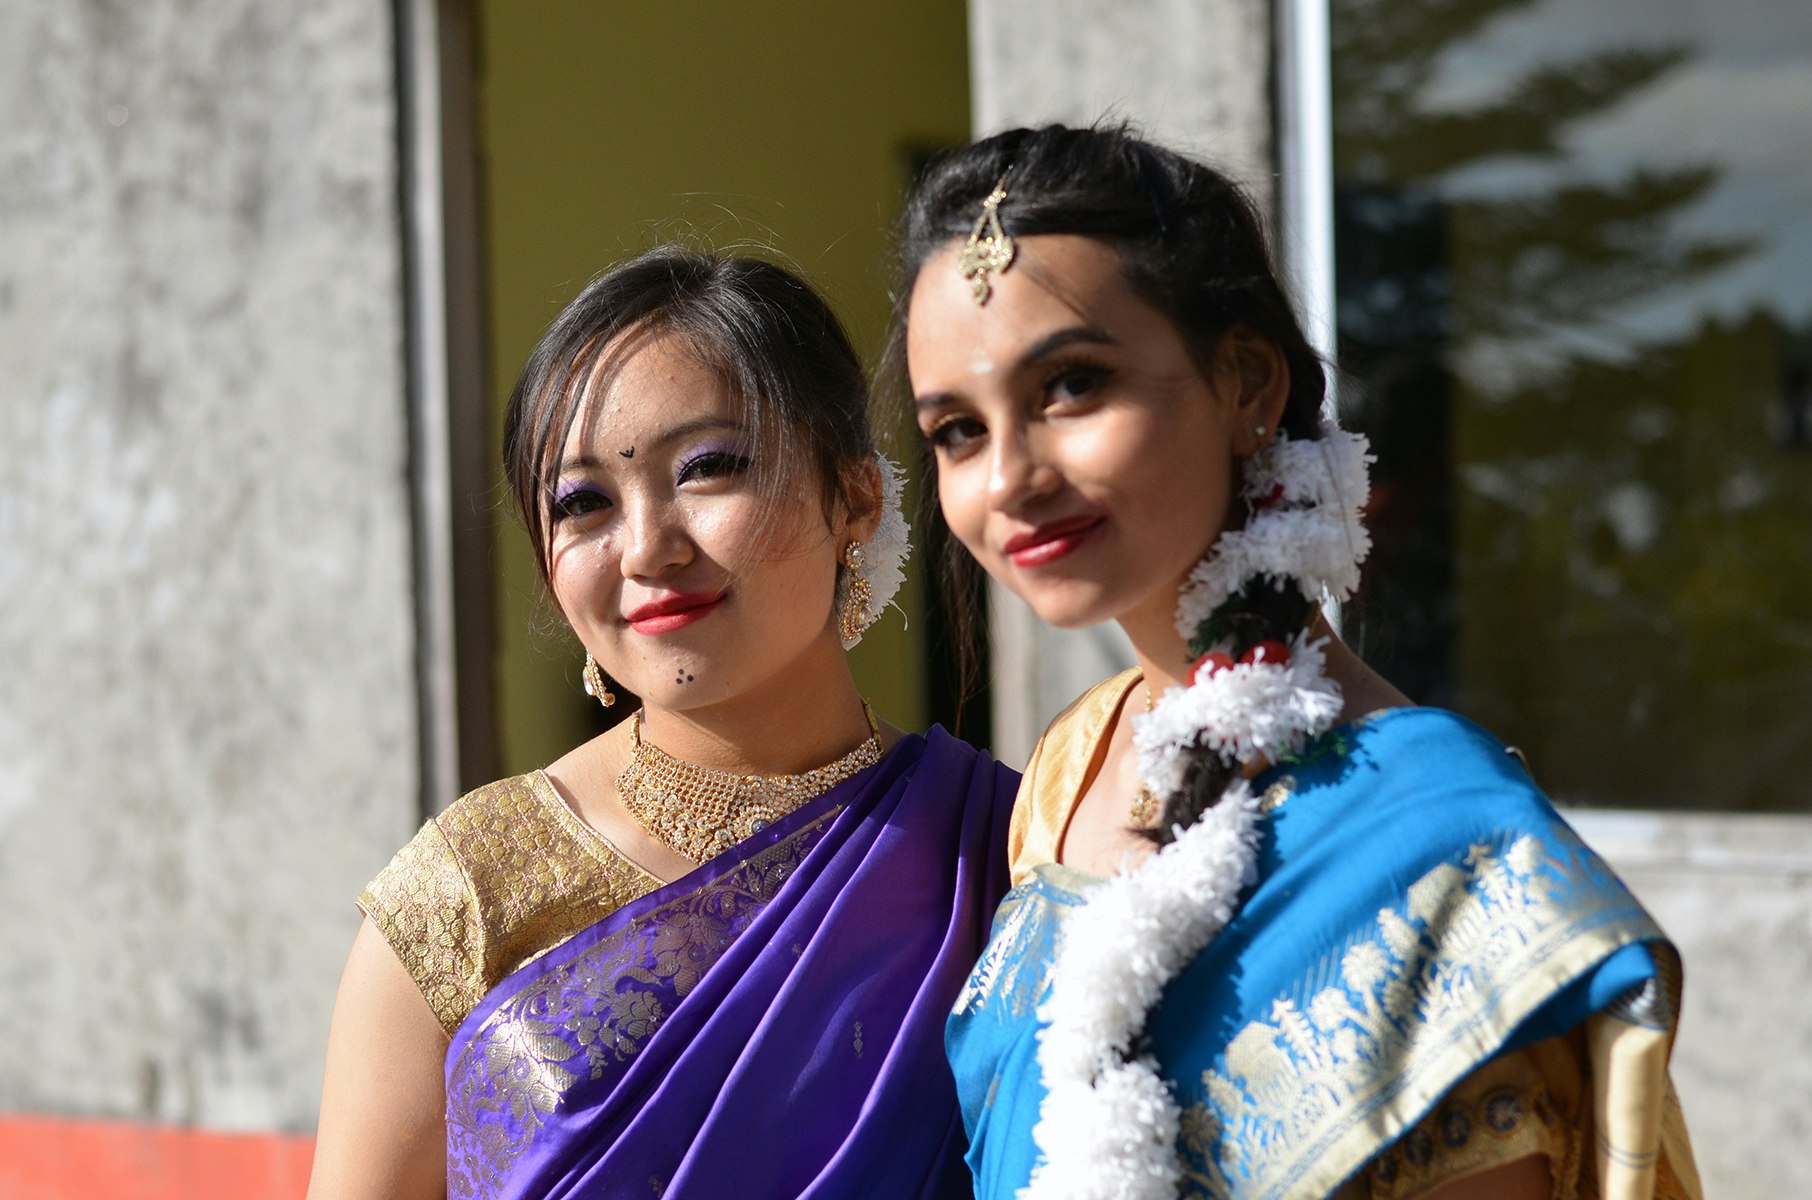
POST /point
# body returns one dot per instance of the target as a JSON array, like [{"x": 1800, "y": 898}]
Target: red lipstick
[
  {"x": 673, "y": 611},
  {"x": 1049, "y": 542}
]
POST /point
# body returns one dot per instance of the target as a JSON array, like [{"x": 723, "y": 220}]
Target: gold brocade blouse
[
  {"x": 505, "y": 874},
  {"x": 1596, "y": 1102}
]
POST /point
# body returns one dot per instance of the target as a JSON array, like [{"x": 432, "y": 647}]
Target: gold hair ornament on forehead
[{"x": 988, "y": 249}]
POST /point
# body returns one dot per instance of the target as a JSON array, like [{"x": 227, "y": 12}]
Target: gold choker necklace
[{"x": 699, "y": 813}]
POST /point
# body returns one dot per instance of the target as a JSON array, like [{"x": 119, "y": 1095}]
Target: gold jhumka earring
[
  {"x": 856, "y": 613},
  {"x": 988, "y": 249},
  {"x": 594, "y": 682}
]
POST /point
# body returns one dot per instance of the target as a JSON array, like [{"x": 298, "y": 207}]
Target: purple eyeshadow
[
  {"x": 562, "y": 495},
  {"x": 723, "y": 449}
]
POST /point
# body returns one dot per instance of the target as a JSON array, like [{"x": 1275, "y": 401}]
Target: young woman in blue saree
[
  {"x": 1274, "y": 932},
  {"x": 710, "y": 951}
]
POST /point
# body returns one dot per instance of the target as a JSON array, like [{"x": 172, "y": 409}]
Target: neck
[
  {"x": 804, "y": 717},
  {"x": 1162, "y": 653}
]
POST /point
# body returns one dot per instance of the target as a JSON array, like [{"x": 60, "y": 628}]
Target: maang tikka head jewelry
[{"x": 988, "y": 249}]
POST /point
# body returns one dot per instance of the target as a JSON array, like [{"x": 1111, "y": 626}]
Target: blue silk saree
[
  {"x": 1420, "y": 910},
  {"x": 768, "y": 1025}
]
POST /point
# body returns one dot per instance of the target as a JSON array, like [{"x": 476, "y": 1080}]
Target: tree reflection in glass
[{"x": 1575, "y": 310}]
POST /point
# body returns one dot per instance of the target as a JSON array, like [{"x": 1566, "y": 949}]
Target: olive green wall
[{"x": 608, "y": 127}]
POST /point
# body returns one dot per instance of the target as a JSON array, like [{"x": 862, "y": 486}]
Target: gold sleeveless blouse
[{"x": 505, "y": 874}]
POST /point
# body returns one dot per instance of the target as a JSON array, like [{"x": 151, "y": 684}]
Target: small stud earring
[
  {"x": 594, "y": 682},
  {"x": 1260, "y": 431}
]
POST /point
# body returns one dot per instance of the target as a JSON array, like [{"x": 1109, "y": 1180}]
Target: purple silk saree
[{"x": 769, "y": 1025}]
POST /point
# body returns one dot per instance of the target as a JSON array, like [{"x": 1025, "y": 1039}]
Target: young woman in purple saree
[{"x": 709, "y": 952}]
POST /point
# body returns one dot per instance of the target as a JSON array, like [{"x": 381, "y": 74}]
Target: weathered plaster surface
[
  {"x": 207, "y": 715},
  {"x": 1192, "y": 74}
]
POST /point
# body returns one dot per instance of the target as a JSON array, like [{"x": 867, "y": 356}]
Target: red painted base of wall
[{"x": 45, "y": 1158}]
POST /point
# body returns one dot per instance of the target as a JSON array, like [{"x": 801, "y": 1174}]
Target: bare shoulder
[{"x": 382, "y": 1132}]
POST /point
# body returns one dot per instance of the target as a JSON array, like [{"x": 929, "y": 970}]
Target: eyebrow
[
  {"x": 1044, "y": 347},
  {"x": 685, "y": 429}
]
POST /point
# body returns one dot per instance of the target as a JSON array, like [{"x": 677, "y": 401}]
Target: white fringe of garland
[
  {"x": 1313, "y": 532},
  {"x": 1241, "y": 713},
  {"x": 1108, "y": 1126}
]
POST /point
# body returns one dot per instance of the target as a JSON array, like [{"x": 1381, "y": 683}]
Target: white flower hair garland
[
  {"x": 884, "y": 558},
  {"x": 1108, "y": 1126}
]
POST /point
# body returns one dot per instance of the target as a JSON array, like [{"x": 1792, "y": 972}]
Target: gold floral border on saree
[{"x": 1371, "y": 1034}]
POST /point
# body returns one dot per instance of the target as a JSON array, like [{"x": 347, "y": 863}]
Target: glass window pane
[{"x": 1574, "y": 260}]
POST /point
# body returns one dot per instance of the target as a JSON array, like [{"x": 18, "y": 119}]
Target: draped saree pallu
[
  {"x": 768, "y": 1025},
  {"x": 1433, "y": 974}
]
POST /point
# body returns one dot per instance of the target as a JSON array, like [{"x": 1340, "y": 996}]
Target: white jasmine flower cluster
[
  {"x": 1114, "y": 1140},
  {"x": 1107, "y": 1129},
  {"x": 1244, "y": 712},
  {"x": 884, "y": 558},
  {"x": 1329, "y": 470},
  {"x": 1306, "y": 525}
]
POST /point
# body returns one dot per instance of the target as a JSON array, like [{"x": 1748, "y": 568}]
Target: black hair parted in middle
[{"x": 771, "y": 338}]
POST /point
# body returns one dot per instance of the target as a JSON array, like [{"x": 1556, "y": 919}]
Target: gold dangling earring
[
  {"x": 594, "y": 682},
  {"x": 853, "y": 616}
]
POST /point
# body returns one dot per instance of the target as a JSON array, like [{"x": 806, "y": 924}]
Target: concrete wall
[
  {"x": 207, "y": 697},
  {"x": 1192, "y": 74}
]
